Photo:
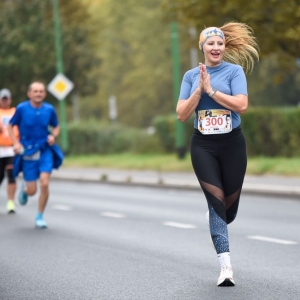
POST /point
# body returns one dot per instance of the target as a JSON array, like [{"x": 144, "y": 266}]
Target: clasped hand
[{"x": 204, "y": 79}]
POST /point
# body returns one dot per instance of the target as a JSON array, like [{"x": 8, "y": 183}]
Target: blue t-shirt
[
  {"x": 33, "y": 123},
  {"x": 227, "y": 78}
]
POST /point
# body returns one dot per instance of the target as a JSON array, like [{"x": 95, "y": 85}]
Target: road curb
[{"x": 248, "y": 189}]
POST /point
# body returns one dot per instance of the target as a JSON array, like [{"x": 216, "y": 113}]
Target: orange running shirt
[{"x": 5, "y": 116}]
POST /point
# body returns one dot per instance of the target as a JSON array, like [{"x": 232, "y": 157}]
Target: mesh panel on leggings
[
  {"x": 232, "y": 204},
  {"x": 229, "y": 200},
  {"x": 213, "y": 190}
]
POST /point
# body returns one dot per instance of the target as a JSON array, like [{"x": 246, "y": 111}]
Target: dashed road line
[
  {"x": 179, "y": 225},
  {"x": 271, "y": 240},
  {"x": 113, "y": 215},
  {"x": 62, "y": 207}
]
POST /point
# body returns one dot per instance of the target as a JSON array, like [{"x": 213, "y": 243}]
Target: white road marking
[
  {"x": 271, "y": 240},
  {"x": 179, "y": 225},
  {"x": 62, "y": 207},
  {"x": 113, "y": 215}
]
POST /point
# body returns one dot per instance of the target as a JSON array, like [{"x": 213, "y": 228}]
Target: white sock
[{"x": 224, "y": 259}]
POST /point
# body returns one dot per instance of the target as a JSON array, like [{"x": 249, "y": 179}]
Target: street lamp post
[
  {"x": 179, "y": 127},
  {"x": 193, "y": 50},
  {"x": 60, "y": 70}
]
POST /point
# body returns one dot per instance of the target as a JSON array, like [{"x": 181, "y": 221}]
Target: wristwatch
[{"x": 212, "y": 92}]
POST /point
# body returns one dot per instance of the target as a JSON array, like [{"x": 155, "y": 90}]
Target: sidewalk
[{"x": 264, "y": 184}]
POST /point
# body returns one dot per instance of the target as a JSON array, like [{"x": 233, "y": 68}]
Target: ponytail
[{"x": 240, "y": 45}]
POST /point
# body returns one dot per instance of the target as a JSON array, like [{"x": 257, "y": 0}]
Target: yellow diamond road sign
[{"x": 60, "y": 86}]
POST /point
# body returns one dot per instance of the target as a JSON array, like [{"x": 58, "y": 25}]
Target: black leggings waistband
[{"x": 235, "y": 133}]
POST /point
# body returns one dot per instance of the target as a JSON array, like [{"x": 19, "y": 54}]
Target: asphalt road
[{"x": 118, "y": 242}]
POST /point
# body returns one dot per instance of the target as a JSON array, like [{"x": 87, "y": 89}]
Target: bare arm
[
  {"x": 56, "y": 131},
  {"x": 17, "y": 145},
  {"x": 237, "y": 103},
  {"x": 54, "y": 134},
  {"x": 185, "y": 108}
]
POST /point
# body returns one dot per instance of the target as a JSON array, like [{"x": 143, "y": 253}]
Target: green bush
[
  {"x": 268, "y": 131},
  {"x": 98, "y": 138},
  {"x": 165, "y": 130},
  {"x": 272, "y": 131}
]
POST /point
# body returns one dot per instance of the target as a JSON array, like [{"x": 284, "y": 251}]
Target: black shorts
[{"x": 6, "y": 161}]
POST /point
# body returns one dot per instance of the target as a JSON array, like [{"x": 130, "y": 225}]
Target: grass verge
[
  {"x": 159, "y": 162},
  {"x": 170, "y": 163}
]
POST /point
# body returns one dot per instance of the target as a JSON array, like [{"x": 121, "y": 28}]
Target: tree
[
  {"x": 27, "y": 44},
  {"x": 276, "y": 79},
  {"x": 136, "y": 61},
  {"x": 275, "y": 22}
]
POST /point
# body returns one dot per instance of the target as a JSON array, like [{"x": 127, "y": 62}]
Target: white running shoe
[
  {"x": 226, "y": 277},
  {"x": 207, "y": 219}
]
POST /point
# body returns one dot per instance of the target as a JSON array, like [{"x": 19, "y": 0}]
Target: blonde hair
[{"x": 240, "y": 45}]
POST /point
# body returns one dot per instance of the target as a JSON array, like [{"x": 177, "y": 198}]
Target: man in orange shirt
[{"x": 6, "y": 148}]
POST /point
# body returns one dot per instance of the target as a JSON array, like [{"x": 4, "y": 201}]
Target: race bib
[
  {"x": 214, "y": 121},
  {"x": 35, "y": 156}
]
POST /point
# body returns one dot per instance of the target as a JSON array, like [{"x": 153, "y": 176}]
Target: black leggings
[
  {"x": 4, "y": 162},
  {"x": 220, "y": 162}
]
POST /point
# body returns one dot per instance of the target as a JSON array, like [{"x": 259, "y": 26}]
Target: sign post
[{"x": 60, "y": 70}]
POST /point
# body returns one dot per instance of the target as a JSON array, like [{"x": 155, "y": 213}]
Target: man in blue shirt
[{"x": 36, "y": 151}]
